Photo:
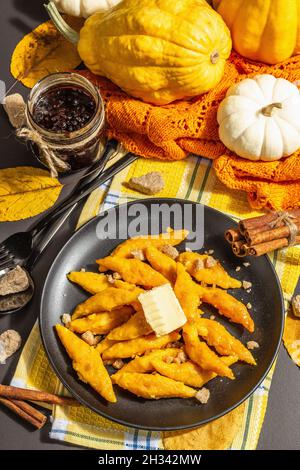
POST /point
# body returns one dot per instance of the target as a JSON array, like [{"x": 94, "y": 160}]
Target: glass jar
[{"x": 77, "y": 146}]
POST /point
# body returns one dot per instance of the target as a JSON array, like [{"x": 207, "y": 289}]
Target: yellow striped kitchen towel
[{"x": 192, "y": 179}]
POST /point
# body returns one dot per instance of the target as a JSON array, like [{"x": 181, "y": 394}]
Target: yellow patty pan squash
[
  {"x": 263, "y": 30},
  {"x": 157, "y": 50}
]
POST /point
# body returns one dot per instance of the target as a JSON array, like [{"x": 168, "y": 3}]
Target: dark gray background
[{"x": 281, "y": 426}]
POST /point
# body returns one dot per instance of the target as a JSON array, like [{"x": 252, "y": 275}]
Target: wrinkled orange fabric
[{"x": 171, "y": 132}]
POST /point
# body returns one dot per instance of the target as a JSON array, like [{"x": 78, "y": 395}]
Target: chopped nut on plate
[
  {"x": 203, "y": 395},
  {"x": 198, "y": 264},
  {"x": 238, "y": 268},
  {"x": 89, "y": 338},
  {"x": 212, "y": 317},
  {"x": 246, "y": 264},
  {"x": 211, "y": 252},
  {"x": 210, "y": 262},
  {"x": 247, "y": 284},
  {"x": 110, "y": 278},
  {"x": 66, "y": 319},
  {"x": 150, "y": 183},
  {"x": 181, "y": 357},
  {"x": 138, "y": 254},
  {"x": 249, "y": 305},
  {"x": 118, "y": 364},
  {"x": 296, "y": 305},
  {"x": 252, "y": 345},
  {"x": 170, "y": 251},
  {"x": 116, "y": 276}
]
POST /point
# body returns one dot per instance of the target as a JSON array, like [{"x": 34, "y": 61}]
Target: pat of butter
[{"x": 162, "y": 309}]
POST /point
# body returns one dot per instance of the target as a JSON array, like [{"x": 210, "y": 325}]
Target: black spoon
[{"x": 20, "y": 247}]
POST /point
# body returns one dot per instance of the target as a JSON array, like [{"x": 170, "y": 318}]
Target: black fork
[{"x": 18, "y": 248}]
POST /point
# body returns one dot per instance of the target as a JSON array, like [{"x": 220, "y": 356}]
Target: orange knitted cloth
[{"x": 171, "y": 132}]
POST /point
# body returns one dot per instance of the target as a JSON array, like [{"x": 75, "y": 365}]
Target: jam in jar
[{"x": 67, "y": 111}]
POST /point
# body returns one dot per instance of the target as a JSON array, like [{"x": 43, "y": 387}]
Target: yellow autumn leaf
[
  {"x": 291, "y": 337},
  {"x": 25, "y": 192},
  {"x": 43, "y": 51}
]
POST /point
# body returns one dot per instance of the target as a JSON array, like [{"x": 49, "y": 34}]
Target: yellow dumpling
[
  {"x": 133, "y": 347},
  {"x": 214, "y": 275},
  {"x": 201, "y": 354},
  {"x": 87, "y": 362},
  {"x": 101, "y": 323},
  {"x": 107, "y": 300},
  {"x": 188, "y": 372},
  {"x": 152, "y": 386},
  {"x": 133, "y": 328}
]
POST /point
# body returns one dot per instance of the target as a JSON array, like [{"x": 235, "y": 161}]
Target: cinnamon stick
[
  {"x": 25, "y": 394},
  {"x": 257, "y": 236},
  {"x": 256, "y": 222},
  {"x": 233, "y": 235},
  {"x": 25, "y": 411},
  {"x": 240, "y": 248},
  {"x": 267, "y": 247}
]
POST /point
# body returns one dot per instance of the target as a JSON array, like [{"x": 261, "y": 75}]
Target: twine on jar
[
  {"x": 53, "y": 162},
  {"x": 287, "y": 219}
]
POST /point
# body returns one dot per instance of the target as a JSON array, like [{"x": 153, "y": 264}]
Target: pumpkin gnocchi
[{"x": 150, "y": 366}]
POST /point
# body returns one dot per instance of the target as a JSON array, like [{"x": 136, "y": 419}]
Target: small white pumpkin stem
[
  {"x": 268, "y": 110},
  {"x": 214, "y": 57},
  {"x": 69, "y": 33}
]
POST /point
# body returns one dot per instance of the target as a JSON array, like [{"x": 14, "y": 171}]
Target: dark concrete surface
[{"x": 281, "y": 429}]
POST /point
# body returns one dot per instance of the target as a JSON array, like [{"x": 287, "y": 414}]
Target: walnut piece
[
  {"x": 296, "y": 305},
  {"x": 247, "y": 284},
  {"x": 252, "y": 345},
  {"x": 15, "y": 280},
  {"x": 66, "y": 319},
  {"x": 138, "y": 254},
  {"x": 10, "y": 341},
  {"x": 14, "y": 106},
  {"x": 116, "y": 276},
  {"x": 180, "y": 358},
  {"x": 210, "y": 262},
  {"x": 89, "y": 338},
  {"x": 170, "y": 251},
  {"x": 203, "y": 395},
  {"x": 198, "y": 264},
  {"x": 118, "y": 364},
  {"x": 150, "y": 183},
  {"x": 110, "y": 279}
]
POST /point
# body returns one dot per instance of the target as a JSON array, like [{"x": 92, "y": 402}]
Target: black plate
[{"x": 60, "y": 296}]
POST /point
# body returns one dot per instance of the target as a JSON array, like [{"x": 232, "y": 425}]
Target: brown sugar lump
[{"x": 150, "y": 183}]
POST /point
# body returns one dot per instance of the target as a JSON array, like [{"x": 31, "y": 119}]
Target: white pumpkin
[
  {"x": 84, "y": 8},
  {"x": 260, "y": 118}
]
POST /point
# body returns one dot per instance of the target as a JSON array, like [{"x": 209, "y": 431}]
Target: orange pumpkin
[{"x": 263, "y": 30}]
